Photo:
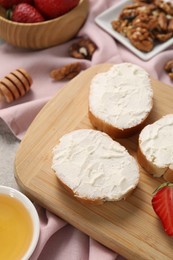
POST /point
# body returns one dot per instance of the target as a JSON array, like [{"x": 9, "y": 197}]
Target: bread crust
[
  {"x": 151, "y": 168},
  {"x": 82, "y": 200},
  {"x": 113, "y": 131},
  {"x": 168, "y": 175},
  {"x": 97, "y": 201},
  {"x": 148, "y": 165}
]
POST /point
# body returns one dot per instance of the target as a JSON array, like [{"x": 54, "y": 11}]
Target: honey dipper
[{"x": 15, "y": 85}]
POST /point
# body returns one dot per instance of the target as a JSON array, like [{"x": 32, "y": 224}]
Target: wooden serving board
[{"x": 130, "y": 227}]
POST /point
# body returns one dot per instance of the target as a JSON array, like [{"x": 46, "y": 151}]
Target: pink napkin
[
  {"x": 59, "y": 240},
  {"x": 19, "y": 114}
]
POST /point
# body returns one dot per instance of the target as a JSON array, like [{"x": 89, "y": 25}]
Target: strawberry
[
  {"x": 11, "y": 3},
  {"x": 25, "y": 13},
  {"x": 162, "y": 203},
  {"x": 54, "y": 8}
]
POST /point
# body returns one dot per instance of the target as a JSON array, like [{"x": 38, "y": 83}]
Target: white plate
[{"x": 104, "y": 21}]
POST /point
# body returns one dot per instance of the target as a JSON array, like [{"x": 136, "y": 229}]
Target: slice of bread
[
  {"x": 155, "y": 150},
  {"x": 120, "y": 100},
  {"x": 93, "y": 167}
]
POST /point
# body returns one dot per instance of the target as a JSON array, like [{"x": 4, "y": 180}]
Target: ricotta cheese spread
[
  {"x": 94, "y": 166},
  {"x": 156, "y": 142},
  {"x": 122, "y": 96}
]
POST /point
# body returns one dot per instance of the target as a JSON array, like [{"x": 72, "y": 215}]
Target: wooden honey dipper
[{"x": 15, "y": 85}]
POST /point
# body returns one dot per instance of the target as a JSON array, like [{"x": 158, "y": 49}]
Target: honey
[{"x": 16, "y": 228}]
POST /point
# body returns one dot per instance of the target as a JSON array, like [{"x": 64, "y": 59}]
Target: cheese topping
[
  {"x": 156, "y": 142},
  {"x": 122, "y": 96},
  {"x": 94, "y": 166}
]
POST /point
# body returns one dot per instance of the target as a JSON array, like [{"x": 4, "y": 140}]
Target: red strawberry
[
  {"x": 10, "y": 3},
  {"x": 54, "y": 8},
  {"x": 162, "y": 203},
  {"x": 25, "y": 13}
]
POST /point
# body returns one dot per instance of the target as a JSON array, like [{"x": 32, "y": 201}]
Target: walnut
[
  {"x": 116, "y": 25},
  {"x": 146, "y": 23},
  {"x": 83, "y": 49},
  {"x": 162, "y": 33},
  {"x": 143, "y": 1},
  {"x": 148, "y": 9},
  {"x": 162, "y": 37},
  {"x": 121, "y": 26},
  {"x": 170, "y": 25},
  {"x": 129, "y": 12},
  {"x": 141, "y": 39},
  {"x": 169, "y": 68},
  {"x": 167, "y": 7},
  {"x": 68, "y": 71},
  {"x": 162, "y": 21}
]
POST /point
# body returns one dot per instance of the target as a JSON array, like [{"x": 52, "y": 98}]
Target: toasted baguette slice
[
  {"x": 155, "y": 150},
  {"x": 120, "y": 100},
  {"x": 93, "y": 167}
]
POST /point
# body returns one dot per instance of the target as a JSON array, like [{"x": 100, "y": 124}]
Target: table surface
[{"x": 8, "y": 146}]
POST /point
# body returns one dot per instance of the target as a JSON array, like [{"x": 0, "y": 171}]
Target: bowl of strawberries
[{"x": 40, "y": 24}]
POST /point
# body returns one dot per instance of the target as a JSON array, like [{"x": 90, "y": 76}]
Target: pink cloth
[{"x": 58, "y": 239}]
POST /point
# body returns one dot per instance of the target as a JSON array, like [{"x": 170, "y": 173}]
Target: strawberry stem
[
  {"x": 8, "y": 14},
  {"x": 162, "y": 186}
]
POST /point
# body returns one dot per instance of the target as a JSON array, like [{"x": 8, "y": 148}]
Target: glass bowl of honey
[{"x": 19, "y": 225}]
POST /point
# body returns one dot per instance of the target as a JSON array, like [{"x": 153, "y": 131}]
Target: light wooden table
[{"x": 8, "y": 146}]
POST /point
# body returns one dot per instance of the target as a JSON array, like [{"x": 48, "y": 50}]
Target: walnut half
[
  {"x": 68, "y": 71},
  {"x": 141, "y": 39},
  {"x": 83, "y": 49},
  {"x": 169, "y": 68}
]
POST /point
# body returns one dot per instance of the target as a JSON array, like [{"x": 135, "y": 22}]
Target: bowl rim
[
  {"x": 26, "y": 202},
  {"x": 59, "y": 18}
]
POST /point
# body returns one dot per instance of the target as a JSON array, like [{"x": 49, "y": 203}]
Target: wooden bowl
[{"x": 44, "y": 34}]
